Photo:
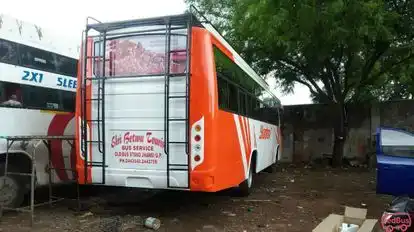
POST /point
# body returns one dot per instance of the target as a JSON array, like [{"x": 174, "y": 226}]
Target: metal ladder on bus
[
  {"x": 99, "y": 100},
  {"x": 168, "y": 97}
]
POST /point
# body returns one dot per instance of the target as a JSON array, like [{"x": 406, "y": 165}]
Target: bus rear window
[{"x": 142, "y": 55}]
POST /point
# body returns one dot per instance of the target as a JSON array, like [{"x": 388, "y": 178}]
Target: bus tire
[
  {"x": 12, "y": 191},
  {"x": 245, "y": 187}
]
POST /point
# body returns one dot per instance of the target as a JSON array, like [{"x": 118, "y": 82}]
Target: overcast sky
[{"x": 68, "y": 18}]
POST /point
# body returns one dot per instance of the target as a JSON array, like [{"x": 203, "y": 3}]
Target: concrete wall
[{"x": 308, "y": 132}]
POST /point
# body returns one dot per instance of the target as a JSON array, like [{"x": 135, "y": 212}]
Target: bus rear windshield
[{"x": 141, "y": 55}]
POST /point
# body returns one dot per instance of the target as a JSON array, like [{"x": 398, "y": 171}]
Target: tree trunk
[{"x": 340, "y": 134}]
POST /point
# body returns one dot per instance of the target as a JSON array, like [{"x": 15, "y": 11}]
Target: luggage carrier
[{"x": 167, "y": 26}]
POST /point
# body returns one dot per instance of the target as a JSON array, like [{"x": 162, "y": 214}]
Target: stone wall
[{"x": 308, "y": 132}]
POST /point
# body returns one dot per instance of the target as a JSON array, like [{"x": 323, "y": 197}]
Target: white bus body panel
[
  {"x": 18, "y": 122},
  {"x": 134, "y": 133}
]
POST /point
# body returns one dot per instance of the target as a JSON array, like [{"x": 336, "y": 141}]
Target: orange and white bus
[{"x": 172, "y": 107}]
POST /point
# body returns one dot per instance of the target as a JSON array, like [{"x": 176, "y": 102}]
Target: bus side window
[
  {"x": 10, "y": 95},
  {"x": 233, "y": 97},
  {"x": 223, "y": 92},
  {"x": 242, "y": 103},
  {"x": 257, "y": 110},
  {"x": 68, "y": 101},
  {"x": 38, "y": 98},
  {"x": 273, "y": 115},
  {"x": 8, "y": 52},
  {"x": 37, "y": 59}
]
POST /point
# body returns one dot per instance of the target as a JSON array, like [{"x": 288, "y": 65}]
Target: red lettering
[
  {"x": 154, "y": 141},
  {"x": 116, "y": 140},
  {"x": 264, "y": 133},
  {"x": 133, "y": 138},
  {"x": 149, "y": 140}
]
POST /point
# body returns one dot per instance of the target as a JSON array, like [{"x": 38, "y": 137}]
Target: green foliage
[{"x": 342, "y": 50}]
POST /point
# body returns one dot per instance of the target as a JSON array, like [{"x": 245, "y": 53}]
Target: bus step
[
  {"x": 93, "y": 141},
  {"x": 178, "y": 169},
  {"x": 178, "y": 119},
  {"x": 177, "y": 142},
  {"x": 19, "y": 174},
  {"x": 183, "y": 96}
]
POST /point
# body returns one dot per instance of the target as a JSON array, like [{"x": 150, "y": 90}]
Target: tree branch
[
  {"x": 384, "y": 70},
  {"x": 306, "y": 84},
  {"x": 348, "y": 63},
  {"x": 380, "y": 49},
  {"x": 334, "y": 79},
  {"x": 306, "y": 73}
]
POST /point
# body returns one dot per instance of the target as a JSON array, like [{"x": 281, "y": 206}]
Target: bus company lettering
[
  {"x": 264, "y": 133},
  {"x": 137, "y": 149},
  {"x": 32, "y": 76},
  {"x": 66, "y": 82}
]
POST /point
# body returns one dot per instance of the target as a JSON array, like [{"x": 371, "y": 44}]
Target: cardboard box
[{"x": 357, "y": 216}]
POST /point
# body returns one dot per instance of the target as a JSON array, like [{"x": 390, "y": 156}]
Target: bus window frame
[
  {"x": 24, "y": 95},
  {"x": 56, "y": 57},
  {"x": 256, "y": 110},
  {"x": 108, "y": 61}
]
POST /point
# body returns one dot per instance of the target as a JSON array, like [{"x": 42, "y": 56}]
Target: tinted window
[
  {"x": 33, "y": 97},
  {"x": 37, "y": 59},
  {"x": 10, "y": 94},
  {"x": 223, "y": 95},
  {"x": 68, "y": 101},
  {"x": 233, "y": 98},
  {"x": 66, "y": 66},
  {"x": 239, "y": 93},
  {"x": 242, "y": 103},
  {"x": 8, "y": 52}
]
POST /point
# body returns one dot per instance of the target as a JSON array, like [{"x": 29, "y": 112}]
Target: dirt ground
[{"x": 290, "y": 199}]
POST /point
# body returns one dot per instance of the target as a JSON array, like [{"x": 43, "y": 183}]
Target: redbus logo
[
  {"x": 264, "y": 133},
  {"x": 396, "y": 222}
]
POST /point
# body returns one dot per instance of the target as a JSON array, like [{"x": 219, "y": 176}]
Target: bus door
[{"x": 145, "y": 107}]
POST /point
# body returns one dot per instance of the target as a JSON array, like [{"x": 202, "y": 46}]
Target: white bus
[{"x": 37, "y": 98}]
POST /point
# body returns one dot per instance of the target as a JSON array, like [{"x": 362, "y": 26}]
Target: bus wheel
[
  {"x": 246, "y": 186},
  {"x": 11, "y": 188}
]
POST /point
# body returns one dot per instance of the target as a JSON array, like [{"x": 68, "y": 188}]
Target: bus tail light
[
  {"x": 197, "y": 158},
  {"x": 197, "y": 138},
  {"x": 197, "y": 143}
]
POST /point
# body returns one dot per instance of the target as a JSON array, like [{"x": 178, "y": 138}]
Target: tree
[{"x": 341, "y": 50}]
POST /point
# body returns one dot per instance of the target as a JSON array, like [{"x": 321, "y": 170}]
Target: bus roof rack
[{"x": 180, "y": 19}]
